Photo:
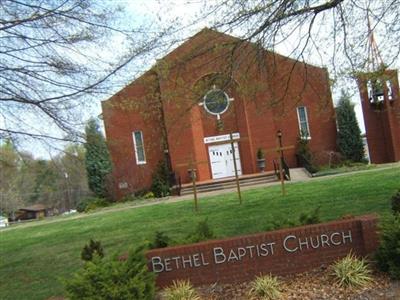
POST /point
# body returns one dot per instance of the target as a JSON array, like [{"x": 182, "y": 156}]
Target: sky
[{"x": 152, "y": 13}]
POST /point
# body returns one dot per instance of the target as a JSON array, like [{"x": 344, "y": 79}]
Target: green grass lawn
[{"x": 35, "y": 258}]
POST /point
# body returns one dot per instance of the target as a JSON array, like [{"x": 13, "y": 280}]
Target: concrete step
[{"x": 229, "y": 183}]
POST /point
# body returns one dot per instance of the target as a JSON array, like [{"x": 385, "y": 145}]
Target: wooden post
[
  {"x": 279, "y": 135},
  {"x": 280, "y": 150},
  {"x": 192, "y": 174},
  {"x": 235, "y": 168}
]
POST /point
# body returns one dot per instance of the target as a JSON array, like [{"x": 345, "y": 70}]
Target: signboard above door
[{"x": 220, "y": 138}]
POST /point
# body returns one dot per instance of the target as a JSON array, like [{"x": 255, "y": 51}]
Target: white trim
[
  {"x": 307, "y": 123},
  {"x": 221, "y": 138},
  {"x": 138, "y": 162}
]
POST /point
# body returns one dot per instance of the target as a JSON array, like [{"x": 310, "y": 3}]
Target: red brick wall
[
  {"x": 132, "y": 109},
  {"x": 334, "y": 243},
  {"x": 266, "y": 98},
  {"x": 265, "y": 101}
]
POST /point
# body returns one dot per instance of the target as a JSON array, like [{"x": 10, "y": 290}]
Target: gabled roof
[
  {"x": 211, "y": 35},
  {"x": 35, "y": 207}
]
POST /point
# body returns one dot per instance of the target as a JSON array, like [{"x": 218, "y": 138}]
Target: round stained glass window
[{"x": 216, "y": 101}]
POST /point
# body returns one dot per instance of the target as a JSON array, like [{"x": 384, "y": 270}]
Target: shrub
[
  {"x": 160, "y": 183},
  {"x": 95, "y": 203},
  {"x": 113, "y": 279},
  {"x": 260, "y": 153},
  {"x": 128, "y": 198},
  {"x": 304, "y": 155},
  {"x": 149, "y": 195},
  {"x": 265, "y": 288},
  {"x": 312, "y": 217},
  {"x": 180, "y": 290},
  {"x": 161, "y": 240},
  {"x": 280, "y": 223},
  {"x": 351, "y": 272},
  {"x": 91, "y": 203},
  {"x": 141, "y": 193},
  {"x": 388, "y": 254},
  {"x": 81, "y": 206},
  {"x": 91, "y": 249},
  {"x": 202, "y": 232},
  {"x": 396, "y": 203}
]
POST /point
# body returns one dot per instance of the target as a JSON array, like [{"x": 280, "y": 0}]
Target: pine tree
[
  {"x": 349, "y": 136},
  {"x": 97, "y": 159}
]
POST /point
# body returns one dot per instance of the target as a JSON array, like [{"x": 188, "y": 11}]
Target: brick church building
[{"x": 183, "y": 109}]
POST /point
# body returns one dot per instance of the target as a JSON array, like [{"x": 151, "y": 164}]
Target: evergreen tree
[
  {"x": 97, "y": 159},
  {"x": 349, "y": 136}
]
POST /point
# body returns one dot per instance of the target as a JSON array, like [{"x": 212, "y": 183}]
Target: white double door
[{"x": 221, "y": 160}]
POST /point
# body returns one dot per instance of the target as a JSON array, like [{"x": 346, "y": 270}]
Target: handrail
[{"x": 285, "y": 169}]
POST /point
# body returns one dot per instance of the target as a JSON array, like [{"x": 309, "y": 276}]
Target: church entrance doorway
[{"x": 221, "y": 160}]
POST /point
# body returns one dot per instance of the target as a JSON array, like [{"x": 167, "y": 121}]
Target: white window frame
[
  {"x": 307, "y": 123},
  {"x": 135, "y": 146}
]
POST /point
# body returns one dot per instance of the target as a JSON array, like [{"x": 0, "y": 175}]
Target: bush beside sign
[{"x": 278, "y": 252}]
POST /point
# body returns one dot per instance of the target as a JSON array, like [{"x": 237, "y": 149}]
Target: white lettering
[
  {"x": 312, "y": 244},
  {"x": 305, "y": 243},
  {"x": 324, "y": 240},
  {"x": 333, "y": 241},
  {"x": 241, "y": 252},
  {"x": 219, "y": 256},
  {"x": 196, "y": 260},
  {"x": 185, "y": 261},
  {"x": 347, "y": 237},
  {"x": 251, "y": 250},
  {"x": 264, "y": 249},
  {"x": 176, "y": 258},
  {"x": 167, "y": 264},
  {"x": 232, "y": 255},
  {"x": 271, "y": 245},
  {"x": 203, "y": 261},
  {"x": 285, "y": 241},
  {"x": 157, "y": 264}
]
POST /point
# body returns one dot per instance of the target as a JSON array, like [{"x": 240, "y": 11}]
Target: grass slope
[{"x": 35, "y": 259}]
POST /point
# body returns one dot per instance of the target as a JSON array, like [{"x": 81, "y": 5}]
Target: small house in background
[{"x": 36, "y": 211}]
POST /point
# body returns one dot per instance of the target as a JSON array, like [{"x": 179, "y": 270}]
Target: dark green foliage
[
  {"x": 128, "y": 198},
  {"x": 97, "y": 159},
  {"x": 349, "y": 135},
  {"x": 45, "y": 181},
  {"x": 281, "y": 223},
  {"x": 113, "y": 279},
  {"x": 161, "y": 240},
  {"x": 160, "y": 183},
  {"x": 388, "y": 254},
  {"x": 312, "y": 217},
  {"x": 304, "y": 155},
  {"x": 92, "y": 249},
  {"x": 202, "y": 232},
  {"x": 81, "y": 206},
  {"x": 396, "y": 203},
  {"x": 260, "y": 153},
  {"x": 96, "y": 203}
]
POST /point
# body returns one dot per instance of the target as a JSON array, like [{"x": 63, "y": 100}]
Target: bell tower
[{"x": 380, "y": 101}]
